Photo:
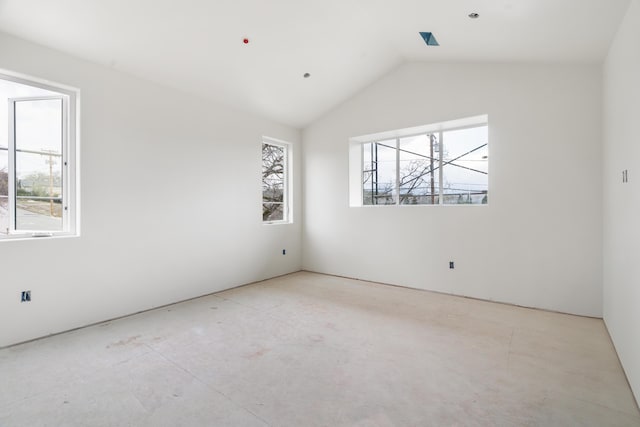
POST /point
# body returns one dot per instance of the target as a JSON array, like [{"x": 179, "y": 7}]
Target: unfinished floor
[{"x": 315, "y": 350}]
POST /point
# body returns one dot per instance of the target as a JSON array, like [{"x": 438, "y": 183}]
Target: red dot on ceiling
[{"x": 245, "y": 41}]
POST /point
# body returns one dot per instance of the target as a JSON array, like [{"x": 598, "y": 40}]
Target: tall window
[
  {"x": 37, "y": 159},
  {"x": 275, "y": 181},
  {"x": 445, "y": 163}
]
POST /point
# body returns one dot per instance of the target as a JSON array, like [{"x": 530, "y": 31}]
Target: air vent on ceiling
[{"x": 429, "y": 39}]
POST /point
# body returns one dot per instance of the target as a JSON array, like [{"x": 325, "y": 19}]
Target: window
[
  {"x": 446, "y": 163},
  {"x": 37, "y": 159},
  {"x": 275, "y": 181}
]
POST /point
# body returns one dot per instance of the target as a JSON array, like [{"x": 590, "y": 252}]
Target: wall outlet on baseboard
[{"x": 25, "y": 296}]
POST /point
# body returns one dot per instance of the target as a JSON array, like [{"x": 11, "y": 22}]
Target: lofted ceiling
[{"x": 197, "y": 46}]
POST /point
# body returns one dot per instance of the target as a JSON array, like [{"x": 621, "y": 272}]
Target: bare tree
[
  {"x": 414, "y": 176},
  {"x": 413, "y": 180},
  {"x": 4, "y": 182},
  {"x": 272, "y": 182}
]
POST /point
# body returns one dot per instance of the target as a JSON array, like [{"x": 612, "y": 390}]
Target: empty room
[{"x": 334, "y": 213}]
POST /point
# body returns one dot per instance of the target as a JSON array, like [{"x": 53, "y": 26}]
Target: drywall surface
[
  {"x": 170, "y": 195},
  {"x": 538, "y": 241},
  {"x": 621, "y": 151}
]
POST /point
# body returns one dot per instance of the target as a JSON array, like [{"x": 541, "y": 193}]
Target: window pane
[
  {"x": 38, "y": 139},
  {"x": 273, "y": 182},
  {"x": 272, "y": 212},
  {"x": 368, "y": 186},
  {"x": 4, "y": 192},
  {"x": 419, "y": 170},
  {"x": 379, "y": 173},
  {"x": 38, "y": 192},
  {"x": 466, "y": 166}
]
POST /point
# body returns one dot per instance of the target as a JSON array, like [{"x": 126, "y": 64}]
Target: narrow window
[
  {"x": 275, "y": 181},
  {"x": 37, "y": 163}
]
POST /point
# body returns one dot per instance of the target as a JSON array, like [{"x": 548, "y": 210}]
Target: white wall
[
  {"x": 170, "y": 204},
  {"x": 539, "y": 241},
  {"x": 621, "y": 150}
]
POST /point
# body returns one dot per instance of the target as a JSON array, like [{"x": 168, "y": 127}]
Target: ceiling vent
[{"x": 429, "y": 39}]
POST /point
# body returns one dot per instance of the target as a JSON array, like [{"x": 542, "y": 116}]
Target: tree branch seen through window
[{"x": 274, "y": 182}]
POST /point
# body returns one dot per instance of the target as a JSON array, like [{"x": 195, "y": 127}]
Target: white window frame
[
  {"x": 287, "y": 211},
  {"x": 70, "y": 158},
  {"x": 356, "y": 155}
]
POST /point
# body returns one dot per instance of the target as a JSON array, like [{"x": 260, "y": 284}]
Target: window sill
[
  {"x": 277, "y": 222},
  {"x": 30, "y": 236},
  {"x": 418, "y": 206}
]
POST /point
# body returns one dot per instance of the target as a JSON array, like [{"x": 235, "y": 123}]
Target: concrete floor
[{"x": 315, "y": 350}]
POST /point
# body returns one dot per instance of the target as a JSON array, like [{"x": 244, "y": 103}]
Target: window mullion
[
  {"x": 64, "y": 184},
  {"x": 397, "y": 171},
  {"x": 285, "y": 184},
  {"x": 440, "y": 172},
  {"x": 11, "y": 160}
]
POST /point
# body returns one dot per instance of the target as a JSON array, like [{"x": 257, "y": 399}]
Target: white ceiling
[{"x": 197, "y": 45}]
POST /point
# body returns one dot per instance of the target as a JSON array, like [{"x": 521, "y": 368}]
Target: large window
[
  {"x": 275, "y": 181},
  {"x": 445, "y": 163},
  {"x": 37, "y": 159}
]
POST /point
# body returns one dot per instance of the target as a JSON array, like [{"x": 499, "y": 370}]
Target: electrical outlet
[
  {"x": 451, "y": 265},
  {"x": 284, "y": 252},
  {"x": 25, "y": 296}
]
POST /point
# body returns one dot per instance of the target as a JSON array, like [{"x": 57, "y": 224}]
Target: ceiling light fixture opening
[{"x": 474, "y": 15}]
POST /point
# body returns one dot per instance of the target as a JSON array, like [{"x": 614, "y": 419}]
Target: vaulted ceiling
[{"x": 198, "y": 45}]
